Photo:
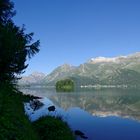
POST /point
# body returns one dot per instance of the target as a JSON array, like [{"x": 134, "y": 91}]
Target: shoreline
[{"x": 15, "y": 122}]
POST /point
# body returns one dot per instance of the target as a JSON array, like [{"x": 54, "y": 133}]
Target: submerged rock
[
  {"x": 36, "y": 104},
  {"x": 81, "y": 134},
  {"x": 84, "y": 137}
]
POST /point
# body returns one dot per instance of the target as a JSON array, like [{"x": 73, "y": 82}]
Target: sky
[{"x": 73, "y": 31}]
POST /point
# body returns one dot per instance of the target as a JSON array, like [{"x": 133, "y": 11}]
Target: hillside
[{"x": 117, "y": 71}]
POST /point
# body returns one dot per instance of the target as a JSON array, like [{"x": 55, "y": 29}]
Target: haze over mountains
[
  {"x": 34, "y": 78},
  {"x": 117, "y": 71}
]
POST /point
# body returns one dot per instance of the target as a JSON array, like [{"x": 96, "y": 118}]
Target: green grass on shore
[
  {"x": 15, "y": 125},
  {"x": 50, "y": 128}
]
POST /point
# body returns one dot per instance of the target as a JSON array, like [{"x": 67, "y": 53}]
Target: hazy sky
[{"x": 73, "y": 31}]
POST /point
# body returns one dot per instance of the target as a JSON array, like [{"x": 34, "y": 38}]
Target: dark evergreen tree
[{"x": 15, "y": 45}]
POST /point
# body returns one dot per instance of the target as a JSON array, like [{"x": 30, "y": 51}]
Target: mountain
[
  {"x": 116, "y": 71},
  {"x": 33, "y": 79},
  {"x": 121, "y": 71}
]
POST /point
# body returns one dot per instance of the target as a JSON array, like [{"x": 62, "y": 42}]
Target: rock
[
  {"x": 84, "y": 137},
  {"x": 81, "y": 134},
  {"x": 51, "y": 108}
]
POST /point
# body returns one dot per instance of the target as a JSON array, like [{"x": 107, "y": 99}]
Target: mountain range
[
  {"x": 35, "y": 78},
  {"x": 117, "y": 71}
]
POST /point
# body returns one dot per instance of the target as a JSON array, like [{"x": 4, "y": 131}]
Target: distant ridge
[
  {"x": 121, "y": 71},
  {"x": 34, "y": 78}
]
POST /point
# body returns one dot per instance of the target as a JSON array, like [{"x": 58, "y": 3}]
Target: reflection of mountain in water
[
  {"x": 114, "y": 102},
  {"x": 103, "y": 103}
]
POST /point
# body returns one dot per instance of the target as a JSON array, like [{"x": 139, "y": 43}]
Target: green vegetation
[
  {"x": 15, "y": 125},
  {"x": 50, "y": 128},
  {"x": 65, "y": 85},
  {"x": 15, "y": 45},
  {"x": 123, "y": 73}
]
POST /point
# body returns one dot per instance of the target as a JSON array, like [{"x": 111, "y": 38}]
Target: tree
[
  {"x": 15, "y": 45},
  {"x": 6, "y": 11},
  {"x": 65, "y": 85}
]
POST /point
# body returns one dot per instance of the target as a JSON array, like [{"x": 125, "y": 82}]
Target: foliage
[
  {"x": 14, "y": 124},
  {"x": 15, "y": 45},
  {"x": 6, "y": 11},
  {"x": 65, "y": 85},
  {"x": 50, "y": 128}
]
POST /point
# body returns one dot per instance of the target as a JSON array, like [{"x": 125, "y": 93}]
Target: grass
[
  {"x": 50, "y": 128},
  {"x": 15, "y": 125}
]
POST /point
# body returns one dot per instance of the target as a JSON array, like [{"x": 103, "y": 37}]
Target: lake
[{"x": 107, "y": 114}]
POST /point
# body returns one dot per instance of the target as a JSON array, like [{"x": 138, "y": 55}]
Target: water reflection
[
  {"x": 95, "y": 112},
  {"x": 108, "y": 102}
]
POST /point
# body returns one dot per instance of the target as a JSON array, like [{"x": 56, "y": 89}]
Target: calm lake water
[{"x": 108, "y": 114}]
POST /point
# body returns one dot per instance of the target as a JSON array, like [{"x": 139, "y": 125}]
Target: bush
[{"x": 50, "y": 128}]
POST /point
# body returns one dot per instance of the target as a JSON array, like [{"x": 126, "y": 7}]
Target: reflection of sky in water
[
  {"x": 111, "y": 128},
  {"x": 109, "y": 102},
  {"x": 108, "y": 128}
]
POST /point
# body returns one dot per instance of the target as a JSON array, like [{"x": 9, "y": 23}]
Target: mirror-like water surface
[{"x": 109, "y": 114}]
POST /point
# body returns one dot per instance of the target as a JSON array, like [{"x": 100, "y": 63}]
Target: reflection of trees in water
[
  {"x": 100, "y": 102},
  {"x": 126, "y": 104}
]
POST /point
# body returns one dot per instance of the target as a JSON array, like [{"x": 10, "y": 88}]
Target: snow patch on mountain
[{"x": 106, "y": 59}]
